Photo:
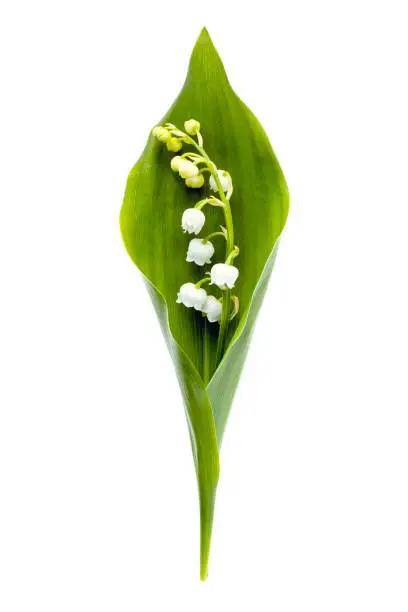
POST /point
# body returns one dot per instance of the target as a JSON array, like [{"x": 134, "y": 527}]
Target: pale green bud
[
  {"x": 195, "y": 181},
  {"x": 161, "y": 133},
  {"x": 175, "y": 163},
  {"x": 174, "y": 144},
  {"x": 187, "y": 169},
  {"x": 192, "y": 127}
]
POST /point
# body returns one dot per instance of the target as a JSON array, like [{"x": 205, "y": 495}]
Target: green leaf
[{"x": 150, "y": 219}]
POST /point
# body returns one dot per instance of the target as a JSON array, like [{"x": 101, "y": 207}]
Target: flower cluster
[{"x": 191, "y": 167}]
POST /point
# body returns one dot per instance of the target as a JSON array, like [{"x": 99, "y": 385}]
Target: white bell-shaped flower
[
  {"x": 192, "y": 220},
  {"x": 212, "y": 308},
  {"x": 187, "y": 169},
  {"x": 192, "y": 297},
  {"x": 200, "y": 252},
  {"x": 225, "y": 181},
  {"x": 224, "y": 275}
]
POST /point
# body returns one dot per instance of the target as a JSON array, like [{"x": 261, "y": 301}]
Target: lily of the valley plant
[
  {"x": 203, "y": 211},
  {"x": 191, "y": 166}
]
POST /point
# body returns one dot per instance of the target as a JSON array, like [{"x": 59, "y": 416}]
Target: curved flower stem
[
  {"x": 201, "y": 204},
  {"x": 227, "y": 208},
  {"x": 213, "y": 235},
  {"x": 206, "y": 279},
  {"x": 225, "y": 318}
]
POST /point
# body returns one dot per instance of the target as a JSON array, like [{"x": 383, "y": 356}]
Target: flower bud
[
  {"x": 225, "y": 181},
  {"x": 174, "y": 144},
  {"x": 212, "y": 308},
  {"x": 193, "y": 220},
  {"x": 187, "y": 169},
  {"x": 161, "y": 133},
  {"x": 195, "y": 181},
  {"x": 224, "y": 275},
  {"x": 192, "y": 127},
  {"x": 175, "y": 163},
  {"x": 200, "y": 252},
  {"x": 191, "y": 297}
]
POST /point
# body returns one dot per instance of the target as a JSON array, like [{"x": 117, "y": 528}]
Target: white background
[{"x": 98, "y": 495}]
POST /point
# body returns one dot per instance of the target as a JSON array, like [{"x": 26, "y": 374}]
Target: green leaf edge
[{"x": 238, "y": 348}]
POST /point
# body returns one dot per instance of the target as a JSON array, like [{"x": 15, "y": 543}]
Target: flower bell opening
[
  {"x": 212, "y": 308},
  {"x": 224, "y": 275},
  {"x": 191, "y": 296},
  {"x": 192, "y": 220},
  {"x": 200, "y": 252}
]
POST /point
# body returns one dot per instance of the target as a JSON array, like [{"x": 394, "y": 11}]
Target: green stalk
[
  {"x": 225, "y": 316},
  {"x": 206, "y": 513},
  {"x": 206, "y": 356},
  {"x": 230, "y": 246},
  {"x": 227, "y": 208},
  {"x": 206, "y": 524}
]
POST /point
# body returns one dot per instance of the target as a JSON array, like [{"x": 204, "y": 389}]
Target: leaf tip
[
  {"x": 204, "y": 35},
  {"x": 204, "y": 39},
  {"x": 205, "y": 58}
]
